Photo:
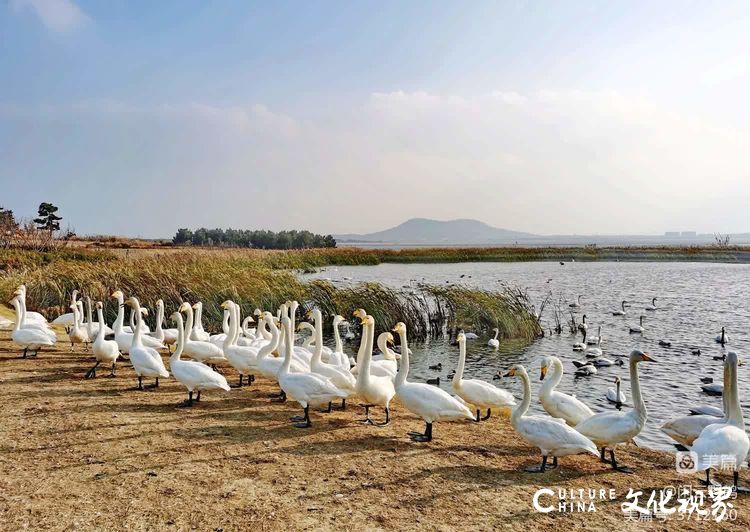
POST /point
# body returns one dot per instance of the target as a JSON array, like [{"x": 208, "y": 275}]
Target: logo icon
[{"x": 686, "y": 462}]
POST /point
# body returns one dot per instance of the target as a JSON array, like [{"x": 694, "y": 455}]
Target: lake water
[{"x": 694, "y": 301}]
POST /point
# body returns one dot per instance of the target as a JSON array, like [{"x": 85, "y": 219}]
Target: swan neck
[
  {"x": 100, "y": 320},
  {"x": 19, "y": 317},
  {"x": 522, "y": 408},
  {"x": 287, "y": 350},
  {"x": 188, "y": 323},
  {"x": 180, "y": 341},
  {"x": 557, "y": 373},
  {"x": 635, "y": 390},
  {"x": 337, "y": 337},
  {"x": 139, "y": 325},
  {"x": 461, "y": 363},
  {"x": 403, "y": 370},
  {"x": 366, "y": 358},
  {"x": 159, "y": 319},
  {"x": 734, "y": 413},
  {"x": 318, "y": 338},
  {"x": 120, "y": 316},
  {"x": 272, "y": 344}
]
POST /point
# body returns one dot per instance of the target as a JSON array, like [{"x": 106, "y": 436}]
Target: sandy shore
[{"x": 95, "y": 454}]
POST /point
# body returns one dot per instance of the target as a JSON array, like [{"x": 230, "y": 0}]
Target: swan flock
[{"x": 315, "y": 376}]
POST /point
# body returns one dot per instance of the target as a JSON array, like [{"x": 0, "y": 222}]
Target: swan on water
[
  {"x": 558, "y": 404},
  {"x": 595, "y": 340},
  {"x": 492, "y": 342},
  {"x": 722, "y": 338},
  {"x": 552, "y": 436},
  {"x": 609, "y": 429},
  {"x": 576, "y": 303},
  {"x": 428, "y": 402},
  {"x": 478, "y": 393},
  {"x": 614, "y": 395},
  {"x": 622, "y": 311},
  {"x": 652, "y": 306},
  {"x": 637, "y": 329},
  {"x": 582, "y": 345}
]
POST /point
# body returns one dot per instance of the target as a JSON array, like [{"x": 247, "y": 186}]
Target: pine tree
[{"x": 47, "y": 219}]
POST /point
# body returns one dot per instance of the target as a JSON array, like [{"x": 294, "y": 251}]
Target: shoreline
[{"x": 95, "y": 454}]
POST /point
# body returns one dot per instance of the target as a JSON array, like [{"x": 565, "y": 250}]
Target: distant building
[
  {"x": 672, "y": 234},
  {"x": 689, "y": 234}
]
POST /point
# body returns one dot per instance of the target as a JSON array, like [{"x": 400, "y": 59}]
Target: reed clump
[{"x": 256, "y": 280}]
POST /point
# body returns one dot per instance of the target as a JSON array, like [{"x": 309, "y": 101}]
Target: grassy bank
[{"x": 254, "y": 279}]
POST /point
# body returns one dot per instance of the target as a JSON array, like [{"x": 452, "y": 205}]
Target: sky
[{"x": 552, "y": 117}]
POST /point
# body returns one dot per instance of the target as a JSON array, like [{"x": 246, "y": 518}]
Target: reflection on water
[{"x": 694, "y": 301}]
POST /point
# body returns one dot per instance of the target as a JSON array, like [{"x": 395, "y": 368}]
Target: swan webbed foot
[
  {"x": 90, "y": 374},
  {"x": 25, "y": 352},
  {"x": 489, "y": 413},
  {"x": 367, "y": 420},
  {"x": 188, "y": 403},
  {"x": 281, "y": 398},
  {"x": 708, "y": 481},
  {"x": 427, "y": 436},
  {"x": 387, "y": 419},
  {"x": 297, "y": 418},
  {"x": 541, "y": 468},
  {"x": 619, "y": 468},
  {"x": 140, "y": 383},
  {"x": 306, "y": 423}
]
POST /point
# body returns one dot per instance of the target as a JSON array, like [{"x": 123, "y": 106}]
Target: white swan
[
  {"x": 706, "y": 410},
  {"x": 341, "y": 378},
  {"x": 383, "y": 365},
  {"x": 593, "y": 352},
  {"x": 558, "y": 404},
  {"x": 428, "y": 402},
  {"x": 146, "y": 360},
  {"x": 609, "y": 429},
  {"x": 621, "y": 312},
  {"x": 727, "y": 438},
  {"x": 30, "y": 339},
  {"x": 475, "y": 392},
  {"x": 722, "y": 338},
  {"x": 199, "y": 350},
  {"x": 93, "y": 327},
  {"x": 552, "y": 436},
  {"x": 637, "y": 329},
  {"x": 686, "y": 429},
  {"x": 583, "y": 326},
  {"x": 78, "y": 334},
  {"x": 595, "y": 340},
  {"x": 104, "y": 350},
  {"x": 585, "y": 369},
  {"x": 338, "y": 357},
  {"x": 582, "y": 345},
  {"x": 125, "y": 339},
  {"x": 614, "y": 395},
  {"x": 166, "y": 336},
  {"x": 31, "y": 317},
  {"x": 576, "y": 303},
  {"x": 195, "y": 376},
  {"x": 67, "y": 319},
  {"x": 373, "y": 389},
  {"x": 492, "y": 342},
  {"x": 652, "y": 306},
  {"x": 241, "y": 357},
  {"x": 269, "y": 366},
  {"x": 22, "y": 318},
  {"x": 308, "y": 389},
  {"x": 197, "y": 333}
]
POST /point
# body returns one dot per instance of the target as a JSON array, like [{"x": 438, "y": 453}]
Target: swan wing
[
  {"x": 431, "y": 403},
  {"x": 610, "y": 427},
  {"x": 567, "y": 407},
  {"x": 550, "y": 435},
  {"x": 686, "y": 429},
  {"x": 484, "y": 394},
  {"x": 198, "y": 376},
  {"x": 721, "y": 439}
]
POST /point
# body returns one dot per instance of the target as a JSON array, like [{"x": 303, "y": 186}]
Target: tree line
[
  {"x": 261, "y": 239},
  {"x": 41, "y": 233}
]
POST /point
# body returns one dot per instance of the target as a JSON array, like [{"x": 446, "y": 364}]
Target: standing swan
[
  {"x": 306, "y": 388},
  {"x": 493, "y": 342},
  {"x": 341, "y": 378},
  {"x": 428, "y": 402},
  {"x": 202, "y": 351},
  {"x": 166, "y": 336},
  {"x": 195, "y": 376},
  {"x": 553, "y": 437},
  {"x": 104, "y": 350},
  {"x": 373, "y": 389},
  {"x": 475, "y": 392},
  {"x": 125, "y": 339},
  {"x": 609, "y": 429},
  {"x": 146, "y": 360},
  {"x": 726, "y": 438},
  {"x": 558, "y": 404},
  {"x": 30, "y": 339}
]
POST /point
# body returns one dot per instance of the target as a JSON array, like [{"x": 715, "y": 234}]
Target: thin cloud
[{"x": 59, "y": 16}]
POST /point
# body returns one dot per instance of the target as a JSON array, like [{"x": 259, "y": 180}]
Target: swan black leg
[
  {"x": 477, "y": 419},
  {"x": 112, "y": 371},
  {"x": 251, "y": 379},
  {"x": 708, "y": 481},
  {"x": 305, "y": 420},
  {"x": 387, "y": 418},
  {"x": 367, "y": 420},
  {"x": 541, "y": 468},
  {"x": 25, "y": 351},
  {"x": 189, "y": 401},
  {"x": 239, "y": 385},
  {"x": 92, "y": 372},
  {"x": 427, "y": 436},
  {"x": 155, "y": 384},
  {"x": 343, "y": 404},
  {"x": 619, "y": 468},
  {"x": 489, "y": 413},
  {"x": 198, "y": 397},
  {"x": 601, "y": 456},
  {"x": 140, "y": 383},
  {"x": 327, "y": 410},
  {"x": 281, "y": 398}
]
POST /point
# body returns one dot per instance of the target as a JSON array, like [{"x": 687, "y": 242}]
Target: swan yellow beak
[
  {"x": 543, "y": 373},
  {"x": 224, "y": 305},
  {"x": 511, "y": 373},
  {"x": 647, "y": 358}
]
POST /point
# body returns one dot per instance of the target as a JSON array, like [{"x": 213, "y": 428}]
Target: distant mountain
[{"x": 426, "y": 231}]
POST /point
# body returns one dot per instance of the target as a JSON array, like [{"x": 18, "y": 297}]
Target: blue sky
[{"x": 550, "y": 117}]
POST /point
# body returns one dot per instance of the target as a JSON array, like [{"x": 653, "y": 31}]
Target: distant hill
[{"x": 426, "y": 231}]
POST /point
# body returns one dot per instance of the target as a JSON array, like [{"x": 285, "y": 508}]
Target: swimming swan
[
  {"x": 492, "y": 342},
  {"x": 614, "y": 395}
]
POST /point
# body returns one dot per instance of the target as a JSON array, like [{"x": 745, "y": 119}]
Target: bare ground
[{"x": 95, "y": 454}]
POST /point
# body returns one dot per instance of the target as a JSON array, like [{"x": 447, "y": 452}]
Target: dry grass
[{"x": 81, "y": 454}]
